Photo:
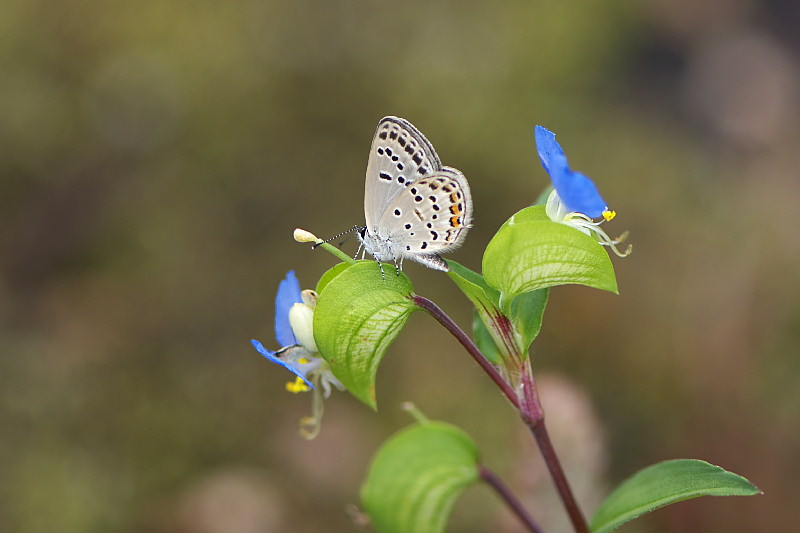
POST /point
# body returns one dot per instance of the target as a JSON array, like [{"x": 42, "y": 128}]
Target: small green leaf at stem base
[
  {"x": 486, "y": 300},
  {"x": 417, "y": 476},
  {"x": 485, "y": 341},
  {"x": 525, "y": 315},
  {"x": 663, "y": 484}
]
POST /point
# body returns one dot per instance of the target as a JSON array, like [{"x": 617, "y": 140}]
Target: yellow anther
[
  {"x": 298, "y": 385},
  {"x": 609, "y": 215},
  {"x": 303, "y": 361}
]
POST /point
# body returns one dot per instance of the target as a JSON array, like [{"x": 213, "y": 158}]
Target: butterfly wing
[
  {"x": 400, "y": 155},
  {"x": 429, "y": 217}
]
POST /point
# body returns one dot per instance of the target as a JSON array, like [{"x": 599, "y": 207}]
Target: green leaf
[
  {"x": 330, "y": 274},
  {"x": 486, "y": 300},
  {"x": 358, "y": 315},
  {"x": 534, "y": 213},
  {"x": 527, "y": 313},
  {"x": 666, "y": 483},
  {"x": 473, "y": 285},
  {"x": 484, "y": 340},
  {"x": 417, "y": 476},
  {"x": 531, "y": 252}
]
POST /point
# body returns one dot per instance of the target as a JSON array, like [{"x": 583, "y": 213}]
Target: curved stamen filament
[
  {"x": 310, "y": 425},
  {"x": 583, "y": 222}
]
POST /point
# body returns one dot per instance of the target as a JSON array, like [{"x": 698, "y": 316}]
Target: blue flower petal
[
  {"x": 272, "y": 357},
  {"x": 288, "y": 295},
  {"x": 549, "y": 149},
  {"x": 579, "y": 193}
]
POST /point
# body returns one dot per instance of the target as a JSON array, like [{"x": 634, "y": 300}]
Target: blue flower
[
  {"x": 575, "y": 200},
  {"x": 294, "y": 319}
]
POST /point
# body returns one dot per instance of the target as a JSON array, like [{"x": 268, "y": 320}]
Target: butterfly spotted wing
[
  {"x": 414, "y": 207},
  {"x": 432, "y": 216},
  {"x": 399, "y": 156}
]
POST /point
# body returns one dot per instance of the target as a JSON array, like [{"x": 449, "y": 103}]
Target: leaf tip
[{"x": 370, "y": 398}]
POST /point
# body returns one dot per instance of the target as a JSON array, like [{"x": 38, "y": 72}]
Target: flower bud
[{"x": 301, "y": 318}]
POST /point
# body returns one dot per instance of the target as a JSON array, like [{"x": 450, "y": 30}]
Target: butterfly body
[{"x": 415, "y": 208}]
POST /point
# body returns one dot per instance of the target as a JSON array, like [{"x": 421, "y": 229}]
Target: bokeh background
[{"x": 155, "y": 157}]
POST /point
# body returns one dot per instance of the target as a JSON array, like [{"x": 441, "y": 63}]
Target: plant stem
[
  {"x": 533, "y": 416},
  {"x": 436, "y": 312},
  {"x": 529, "y": 408},
  {"x": 507, "y": 496}
]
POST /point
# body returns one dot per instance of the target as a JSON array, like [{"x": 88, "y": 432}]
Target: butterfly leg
[{"x": 383, "y": 274}]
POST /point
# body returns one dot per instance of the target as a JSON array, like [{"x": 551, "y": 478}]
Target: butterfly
[{"x": 415, "y": 208}]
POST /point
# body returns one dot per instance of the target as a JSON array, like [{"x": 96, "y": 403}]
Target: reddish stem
[
  {"x": 533, "y": 416},
  {"x": 436, "y": 312},
  {"x": 529, "y": 408},
  {"x": 507, "y": 496}
]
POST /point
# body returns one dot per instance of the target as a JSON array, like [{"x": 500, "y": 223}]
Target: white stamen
[
  {"x": 301, "y": 235},
  {"x": 557, "y": 212}
]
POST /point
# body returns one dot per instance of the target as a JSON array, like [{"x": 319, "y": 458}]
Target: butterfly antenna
[{"x": 342, "y": 234}]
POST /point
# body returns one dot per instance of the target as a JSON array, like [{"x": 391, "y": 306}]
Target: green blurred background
[{"x": 155, "y": 157}]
